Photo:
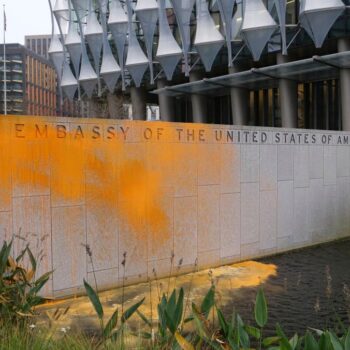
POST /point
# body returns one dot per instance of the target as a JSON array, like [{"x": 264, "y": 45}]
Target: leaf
[
  {"x": 243, "y": 337},
  {"x": 30, "y": 275},
  {"x": 317, "y": 331},
  {"x": 170, "y": 322},
  {"x": 144, "y": 318},
  {"x": 20, "y": 257},
  {"x": 347, "y": 341},
  {"x": 132, "y": 309},
  {"x": 267, "y": 342},
  {"x": 4, "y": 256},
  {"x": 260, "y": 309},
  {"x": 253, "y": 331},
  {"x": 208, "y": 302},
  {"x": 95, "y": 300},
  {"x": 12, "y": 263},
  {"x": 179, "y": 308},
  {"x": 233, "y": 345},
  {"x": 294, "y": 341},
  {"x": 112, "y": 323},
  {"x": 310, "y": 342},
  {"x": 185, "y": 345},
  {"x": 335, "y": 341},
  {"x": 39, "y": 284},
  {"x": 325, "y": 342},
  {"x": 32, "y": 259},
  {"x": 202, "y": 332},
  {"x": 161, "y": 317},
  {"x": 171, "y": 303},
  {"x": 284, "y": 342},
  {"x": 222, "y": 321}
]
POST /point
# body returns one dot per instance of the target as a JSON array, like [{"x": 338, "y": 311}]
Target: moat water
[
  {"x": 305, "y": 288},
  {"x": 311, "y": 289}
]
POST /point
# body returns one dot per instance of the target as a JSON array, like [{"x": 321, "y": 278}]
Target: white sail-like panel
[
  {"x": 183, "y": 11},
  {"x": 208, "y": 40},
  {"x": 56, "y": 54},
  {"x": 73, "y": 43},
  {"x": 118, "y": 24},
  {"x": 136, "y": 60},
  {"x": 69, "y": 83},
  {"x": 61, "y": 9},
  {"x": 87, "y": 77},
  {"x": 94, "y": 36},
  {"x": 61, "y": 13},
  {"x": 226, "y": 12},
  {"x": 81, "y": 7},
  {"x": 281, "y": 6},
  {"x": 317, "y": 17},
  {"x": 258, "y": 26},
  {"x": 110, "y": 70},
  {"x": 147, "y": 13},
  {"x": 169, "y": 52}
]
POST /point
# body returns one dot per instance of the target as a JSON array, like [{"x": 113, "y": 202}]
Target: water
[
  {"x": 306, "y": 288},
  {"x": 311, "y": 289}
]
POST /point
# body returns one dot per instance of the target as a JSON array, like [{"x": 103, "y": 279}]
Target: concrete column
[
  {"x": 166, "y": 104},
  {"x": 288, "y": 99},
  {"x": 94, "y": 108},
  {"x": 344, "y": 80},
  {"x": 138, "y": 102},
  {"x": 199, "y": 102},
  {"x": 239, "y": 103},
  {"x": 115, "y": 105}
]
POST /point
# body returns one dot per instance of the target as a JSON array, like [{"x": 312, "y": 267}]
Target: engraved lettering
[
  {"x": 19, "y": 131},
  {"x": 79, "y": 133},
  {"x": 40, "y": 133},
  {"x": 124, "y": 131},
  {"x": 61, "y": 131},
  {"x": 110, "y": 133},
  {"x": 96, "y": 132}
]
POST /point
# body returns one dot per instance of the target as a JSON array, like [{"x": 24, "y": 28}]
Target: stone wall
[{"x": 208, "y": 194}]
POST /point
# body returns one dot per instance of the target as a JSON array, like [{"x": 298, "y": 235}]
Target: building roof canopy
[{"x": 317, "y": 68}]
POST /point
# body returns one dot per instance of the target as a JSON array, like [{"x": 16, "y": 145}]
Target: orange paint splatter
[{"x": 75, "y": 166}]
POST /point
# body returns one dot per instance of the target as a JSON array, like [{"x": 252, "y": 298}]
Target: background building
[
  {"x": 251, "y": 62},
  {"x": 30, "y": 82},
  {"x": 39, "y": 44}
]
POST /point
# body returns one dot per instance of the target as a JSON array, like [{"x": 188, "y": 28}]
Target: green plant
[
  {"x": 110, "y": 332},
  {"x": 19, "y": 290}
]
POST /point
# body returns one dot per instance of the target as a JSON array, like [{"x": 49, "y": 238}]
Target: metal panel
[
  {"x": 258, "y": 26},
  {"x": 169, "y": 52},
  {"x": 317, "y": 17},
  {"x": 208, "y": 40}
]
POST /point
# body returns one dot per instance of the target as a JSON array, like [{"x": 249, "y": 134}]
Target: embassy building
[{"x": 273, "y": 63}]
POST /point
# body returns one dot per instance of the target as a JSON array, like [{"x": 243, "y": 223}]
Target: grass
[{"x": 179, "y": 323}]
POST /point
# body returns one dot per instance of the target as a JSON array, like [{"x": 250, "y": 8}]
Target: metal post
[
  {"x": 344, "y": 80},
  {"x": 199, "y": 102},
  {"x": 166, "y": 104},
  {"x": 288, "y": 99},
  {"x": 5, "y": 84},
  {"x": 239, "y": 102}
]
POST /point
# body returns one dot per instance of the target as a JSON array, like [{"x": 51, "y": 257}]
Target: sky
[{"x": 25, "y": 17}]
